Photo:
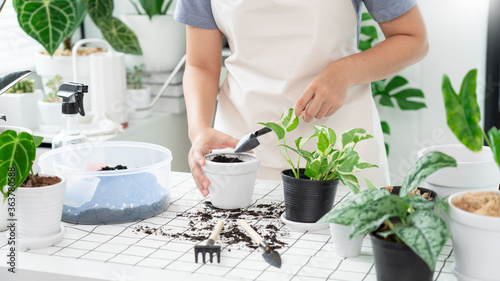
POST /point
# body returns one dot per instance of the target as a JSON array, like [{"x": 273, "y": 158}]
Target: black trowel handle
[{"x": 262, "y": 131}]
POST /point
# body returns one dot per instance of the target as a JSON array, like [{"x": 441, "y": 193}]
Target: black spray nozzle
[{"x": 72, "y": 96}]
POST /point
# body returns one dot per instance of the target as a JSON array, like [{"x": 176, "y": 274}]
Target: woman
[{"x": 291, "y": 53}]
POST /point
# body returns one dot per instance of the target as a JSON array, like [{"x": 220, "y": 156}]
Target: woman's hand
[{"x": 202, "y": 144}]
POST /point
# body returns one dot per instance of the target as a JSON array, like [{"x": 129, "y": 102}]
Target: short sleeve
[
  {"x": 386, "y": 10},
  {"x": 197, "y": 13}
]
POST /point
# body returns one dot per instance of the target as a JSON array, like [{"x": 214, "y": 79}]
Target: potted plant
[
  {"x": 232, "y": 178},
  {"x": 50, "y": 31},
  {"x": 476, "y": 167},
  {"x": 310, "y": 191},
  {"x": 21, "y": 98},
  {"x": 163, "y": 40},
  {"x": 407, "y": 232},
  {"x": 50, "y": 107},
  {"x": 138, "y": 96}
]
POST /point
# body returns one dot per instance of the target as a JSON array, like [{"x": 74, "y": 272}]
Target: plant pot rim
[
  {"x": 460, "y": 148},
  {"x": 252, "y": 157},
  {"x": 478, "y": 221},
  {"x": 58, "y": 57},
  {"x": 301, "y": 171},
  {"x": 41, "y": 188}
]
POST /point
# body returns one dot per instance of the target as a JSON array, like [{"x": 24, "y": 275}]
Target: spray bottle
[{"x": 72, "y": 105}]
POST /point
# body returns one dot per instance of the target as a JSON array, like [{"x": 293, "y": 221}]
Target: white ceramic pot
[
  {"x": 476, "y": 244},
  {"x": 51, "y": 119},
  {"x": 16, "y": 106},
  {"x": 139, "y": 98},
  {"x": 474, "y": 171},
  {"x": 162, "y": 39},
  {"x": 341, "y": 244},
  {"x": 231, "y": 184},
  {"x": 38, "y": 213}
]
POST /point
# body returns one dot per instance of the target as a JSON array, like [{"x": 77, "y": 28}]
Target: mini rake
[{"x": 209, "y": 247}]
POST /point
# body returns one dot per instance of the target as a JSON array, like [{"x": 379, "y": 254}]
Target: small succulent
[
  {"x": 24, "y": 86},
  {"x": 53, "y": 84}
]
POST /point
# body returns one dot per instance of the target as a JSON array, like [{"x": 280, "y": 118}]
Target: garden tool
[
  {"x": 209, "y": 247},
  {"x": 271, "y": 256}
]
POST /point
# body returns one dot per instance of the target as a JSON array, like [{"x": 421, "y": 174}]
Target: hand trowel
[
  {"x": 271, "y": 256},
  {"x": 250, "y": 141}
]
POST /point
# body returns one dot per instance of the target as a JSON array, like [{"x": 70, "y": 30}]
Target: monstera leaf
[
  {"x": 10, "y": 79},
  {"x": 47, "y": 21}
]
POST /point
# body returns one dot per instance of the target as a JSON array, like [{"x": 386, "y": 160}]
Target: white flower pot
[
  {"x": 342, "y": 245},
  {"x": 476, "y": 244},
  {"x": 162, "y": 39},
  {"x": 138, "y": 98},
  {"x": 231, "y": 184},
  {"x": 21, "y": 109},
  {"x": 474, "y": 171},
  {"x": 51, "y": 119},
  {"x": 38, "y": 213}
]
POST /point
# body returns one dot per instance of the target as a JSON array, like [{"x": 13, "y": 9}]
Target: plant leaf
[
  {"x": 152, "y": 7},
  {"x": 462, "y": 111},
  {"x": 405, "y": 104},
  {"x": 370, "y": 31},
  {"x": 426, "y": 234},
  {"x": 386, "y": 129},
  {"x": 386, "y": 101},
  {"x": 99, "y": 9},
  {"x": 119, "y": 36},
  {"x": 364, "y": 45},
  {"x": 371, "y": 185},
  {"x": 366, "y": 16},
  {"x": 350, "y": 181},
  {"x": 47, "y": 21},
  {"x": 81, "y": 12},
  {"x": 10, "y": 79},
  {"x": 426, "y": 165},
  {"x": 17, "y": 152},
  {"x": 277, "y": 129},
  {"x": 396, "y": 82},
  {"x": 354, "y": 136},
  {"x": 323, "y": 143},
  {"x": 494, "y": 135}
]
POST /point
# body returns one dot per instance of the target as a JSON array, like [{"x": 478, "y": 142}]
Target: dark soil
[
  {"x": 39, "y": 181},
  {"x": 225, "y": 159},
  {"x": 117, "y": 167},
  {"x": 264, "y": 218}
]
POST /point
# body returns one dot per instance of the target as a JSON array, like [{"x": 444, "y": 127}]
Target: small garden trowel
[
  {"x": 250, "y": 141},
  {"x": 271, "y": 256}
]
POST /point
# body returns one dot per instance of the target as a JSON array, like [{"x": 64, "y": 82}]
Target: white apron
[{"x": 277, "y": 48}]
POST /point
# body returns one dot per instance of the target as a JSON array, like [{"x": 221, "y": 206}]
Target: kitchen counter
[{"x": 117, "y": 252}]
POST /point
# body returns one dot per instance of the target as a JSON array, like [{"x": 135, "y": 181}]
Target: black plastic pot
[
  {"x": 433, "y": 194},
  {"x": 307, "y": 200},
  {"x": 397, "y": 262}
]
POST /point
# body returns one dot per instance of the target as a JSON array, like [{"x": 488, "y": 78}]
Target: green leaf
[
  {"x": 369, "y": 31},
  {"x": 396, "y": 82},
  {"x": 47, "y": 21},
  {"x": 426, "y": 234},
  {"x": 386, "y": 148},
  {"x": 371, "y": 217},
  {"x": 277, "y": 129},
  {"x": 405, "y": 104},
  {"x": 420, "y": 203},
  {"x": 348, "y": 162},
  {"x": 371, "y": 185},
  {"x": 119, "y": 36},
  {"x": 364, "y": 165},
  {"x": 37, "y": 140},
  {"x": 313, "y": 169},
  {"x": 462, "y": 111},
  {"x": 354, "y": 136},
  {"x": 81, "y": 12},
  {"x": 378, "y": 88},
  {"x": 323, "y": 143},
  {"x": 366, "y": 16},
  {"x": 17, "y": 153},
  {"x": 494, "y": 135},
  {"x": 386, "y": 129},
  {"x": 364, "y": 45},
  {"x": 10, "y": 79},
  {"x": 152, "y": 7},
  {"x": 426, "y": 165},
  {"x": 99, "y": 9},
  {"x": 386, "y": 101},
  {"x": 350, "y": 181}
]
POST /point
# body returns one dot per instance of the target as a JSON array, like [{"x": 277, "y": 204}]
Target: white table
[{"x": 116, "y": 252}]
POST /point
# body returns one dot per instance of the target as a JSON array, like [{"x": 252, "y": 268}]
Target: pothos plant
[
  {"x": 463, "y": 116},
  {"x": 412, "y": 220},
  {"x": 52, "y": 22},
  {"x": 327, "y": 162}
]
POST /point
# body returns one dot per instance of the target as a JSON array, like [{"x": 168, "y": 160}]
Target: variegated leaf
[{"x": 354, "y": 136}]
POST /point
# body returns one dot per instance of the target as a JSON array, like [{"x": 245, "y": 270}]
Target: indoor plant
[
  {"x": 407, "y": 232},
  {"x": 162, "y": 39},
  {"x": 138, "y": 96},
  {"x": 50, "y": 107},
  {"x": 310, "y": 191},
  {"x": 21, "y": 98}
]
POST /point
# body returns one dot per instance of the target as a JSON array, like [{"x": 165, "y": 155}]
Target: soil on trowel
[
  {"x": 39, "y": 181},
  {"x": 225, "y": 159},
  {"x": 117, "y": 167},
  {"x": 264, "y": 218}
]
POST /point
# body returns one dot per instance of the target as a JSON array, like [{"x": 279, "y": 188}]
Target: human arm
[
  {"x": 201, "y": 85},
  {"x": 405, "y": 44}
]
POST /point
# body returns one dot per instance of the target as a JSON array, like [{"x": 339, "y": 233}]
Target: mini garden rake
[{"x": 209, "y": 247}]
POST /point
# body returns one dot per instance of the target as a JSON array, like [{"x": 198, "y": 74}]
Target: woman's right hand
[{"x": 202, "y": 144}]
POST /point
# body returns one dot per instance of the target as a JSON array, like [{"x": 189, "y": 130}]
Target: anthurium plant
[
  {"x": 152, "y": 7},
  {"x": 412, "y": 220},
  {"x": 463, "y": 115},
  {"x": 327, "y": 162},
  {"x": 52, "y": 22}
]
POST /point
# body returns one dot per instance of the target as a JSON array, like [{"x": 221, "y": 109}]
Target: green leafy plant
[
  {"x": 134, "y": 78},
  {"x": 412, "y": 220},
  {"x": 463, "y": 115},
  {"x": 24, "y": 86},
  {"x": 327, "y": 162},
  {"x": 53, "y": 85},
  {"x": 152, "y": 7},
  {"x": 52, "y": 22}
]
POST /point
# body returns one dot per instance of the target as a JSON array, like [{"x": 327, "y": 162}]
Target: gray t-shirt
[{"x": 198, "y": 13}]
